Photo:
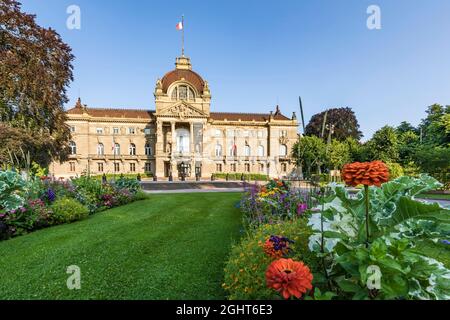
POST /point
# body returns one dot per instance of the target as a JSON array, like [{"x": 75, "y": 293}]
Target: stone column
[{"x": 173, "y": 148}]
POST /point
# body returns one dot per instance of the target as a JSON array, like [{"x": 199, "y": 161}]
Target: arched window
[
  {"x": 116, "y": 149},
  {"x": 247, "y": 150},
  {"x": 233, "y": 150},
  {"x": 148, "y": 150},
  {"x": 283, "y": 150},
  {"x": 218, "y": 150},
  {"x": 73, "y": 147},
  {"x": 260, "y": 151},
  {"x": 100, "y": 149},
  {"x": 183, "y": 92},
  {"x": 132, "y": 149},
  {"x": 175, "y": 93}
]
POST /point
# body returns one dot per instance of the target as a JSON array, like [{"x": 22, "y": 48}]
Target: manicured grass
[{"x": 166, "y": 247}]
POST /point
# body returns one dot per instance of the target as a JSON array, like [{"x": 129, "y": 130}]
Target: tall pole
[
  {"x": 301, "y": 113},
  {"x": 182, "y": 35},
  {"x": 114, "y": 155}
]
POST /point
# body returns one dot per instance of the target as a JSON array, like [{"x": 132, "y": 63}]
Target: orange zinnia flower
[
  {"x": 289, "y": 277},
  {"x": 365, "y": 173}
]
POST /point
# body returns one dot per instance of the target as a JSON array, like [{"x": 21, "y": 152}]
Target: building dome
[{"x": 183, "y": 71}]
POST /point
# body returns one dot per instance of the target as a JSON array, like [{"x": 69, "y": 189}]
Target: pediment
[{"x": 182, "y": 110}]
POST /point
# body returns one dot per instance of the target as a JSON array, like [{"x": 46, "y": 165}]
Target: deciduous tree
[{"x": 35, "y": 70}]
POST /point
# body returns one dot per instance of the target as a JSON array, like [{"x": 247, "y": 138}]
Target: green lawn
[{"x": 166, "y": 247}]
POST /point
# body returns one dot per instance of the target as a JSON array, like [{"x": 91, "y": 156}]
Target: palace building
[{"x": 181, "y": 136}]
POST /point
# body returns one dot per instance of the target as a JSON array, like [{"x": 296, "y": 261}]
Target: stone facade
[{"x": 181, "y": 136}]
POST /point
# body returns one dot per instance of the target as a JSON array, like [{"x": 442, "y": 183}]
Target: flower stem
[{"x": 366, "y": 189}]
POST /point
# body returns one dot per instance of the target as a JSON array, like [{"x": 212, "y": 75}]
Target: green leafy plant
[
  {"x": 398, "y": 224},
  {"x": 12, "y": 190},
  {"x": 67, "y": 210}
]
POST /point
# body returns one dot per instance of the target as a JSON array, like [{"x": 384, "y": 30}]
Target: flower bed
[
  {"x": 276, "y": 201},
  {"x": 26, "y": 206},
  {"x": 372, "y": 245}
]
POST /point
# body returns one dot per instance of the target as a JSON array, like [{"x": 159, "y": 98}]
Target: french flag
[{"x": 179, "y": 26}]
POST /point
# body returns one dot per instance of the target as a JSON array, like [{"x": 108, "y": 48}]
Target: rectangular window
[
  {"x": 233, "y": 167},
  {"x": 247, "y": 167},
  {"x": 115, "y": 130},
  {"x": 116, "y": 167},
  {"x": 218, "y": 167},
  {"x": 283, "y": 167},
  {"x": 132, "y": 167},
  {"x": 147, "y": 131},
  {"x": 100, "y": 166},
  {"x": 72, "y": 166},
  {"x": 148, "y": 167},
  {"x": 283, "y": 133},
  {"x": 261, "y": 167},
  {"x": 72, "y": 129},
  {"x": 99, "y": 130},
  {"x": 218, "y": 133},
  {"x": 131, "y": 131}
]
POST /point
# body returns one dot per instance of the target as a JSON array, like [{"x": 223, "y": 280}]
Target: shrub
[
  {"x": 248, "y": 262},
  {"x": 132, "y": 185},
  {"x": 395, "y": 170},
  {"x": 68, "y": 210},
  {"x": 31, "y": 216},
  {"x": 12, "y": 190}
]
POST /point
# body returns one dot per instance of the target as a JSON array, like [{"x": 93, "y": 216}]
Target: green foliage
[
  {"x": 338, "y": 154},
  {"x": 309, "y": 152},
  {"x": 247, "y": 264},
  {"x": 12, "y": 190},
  {"x": 38, "y": 171},
  {"x": 434, "y": 126},
  {"x": 397, "y": 224},
  {"x": 132, "y": 185},
  {"x": 395, "y": 170},
  {"x": 67, "y": 210},
  {"x": 383, "y": 145}
]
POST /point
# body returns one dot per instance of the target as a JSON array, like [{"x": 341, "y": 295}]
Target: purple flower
[
  {"x": 22, "y": 209},
  {"x": 301, "y": 208},
  {"x": 445, "y": 242},
  {"x": 51, "y": 196}
]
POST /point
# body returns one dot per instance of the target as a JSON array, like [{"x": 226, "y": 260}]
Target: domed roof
[{"x": 187, "y": 75}]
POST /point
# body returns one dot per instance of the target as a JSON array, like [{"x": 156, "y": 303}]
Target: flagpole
[{"x": 182, "y": 36}]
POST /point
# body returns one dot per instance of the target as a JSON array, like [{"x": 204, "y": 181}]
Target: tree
[
  {"x": 383, "y": 145},
  {"x": 344, "y": 122},
  {"x": 338, "y": 154},
  {"x": 433, "y": 126},
  {"x": 406, "y": 127},
  {"x": 407, "y": 144},
  {"x": 35, "y": 70},
  {"x": 309, "y": 152}
]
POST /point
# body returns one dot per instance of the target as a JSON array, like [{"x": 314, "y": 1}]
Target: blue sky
[{"x": 256, "y": 54}]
